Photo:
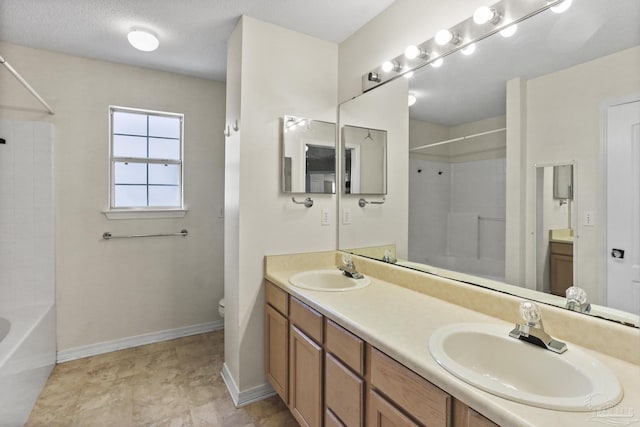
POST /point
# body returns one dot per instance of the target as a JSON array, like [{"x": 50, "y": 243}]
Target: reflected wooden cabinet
[{"x": 561, "y": 267}]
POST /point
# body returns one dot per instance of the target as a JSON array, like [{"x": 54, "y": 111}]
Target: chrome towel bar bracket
[
  {"x": 363, "y": 202},
  {"x": 308, "y": 202}
]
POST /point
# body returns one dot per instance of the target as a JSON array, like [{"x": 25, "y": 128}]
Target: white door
[{"x": 622, "y": 249}]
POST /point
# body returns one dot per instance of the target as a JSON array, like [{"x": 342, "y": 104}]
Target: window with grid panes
[{"x": 146, "y": 159}]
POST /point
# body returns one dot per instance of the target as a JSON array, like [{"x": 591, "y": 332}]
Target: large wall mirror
[
  {"x": 308, "y": 156},
  {"x": 493, "y": 132}
]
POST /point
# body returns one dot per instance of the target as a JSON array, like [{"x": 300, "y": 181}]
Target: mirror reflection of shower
[{"x": 457, "y": 196}]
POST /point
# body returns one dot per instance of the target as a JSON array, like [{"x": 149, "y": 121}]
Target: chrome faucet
[
  {"x": 577, "y": 300},
  {"x": 348, "y": 268},
  {"x": 532, "y": 330},
  {"x": 388, "y": 257}
]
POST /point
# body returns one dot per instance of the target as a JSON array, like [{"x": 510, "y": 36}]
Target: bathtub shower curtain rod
[{"x": 26, "y": 84}]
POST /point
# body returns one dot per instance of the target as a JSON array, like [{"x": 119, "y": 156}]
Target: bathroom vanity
[
  {"x": 300, "y": 341},
  {"x": 361, "y": 357}
]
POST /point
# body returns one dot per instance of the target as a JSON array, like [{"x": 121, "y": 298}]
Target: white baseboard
[
  {"x": 135, "y": 341},
  {"x": 242, "y": 398}
]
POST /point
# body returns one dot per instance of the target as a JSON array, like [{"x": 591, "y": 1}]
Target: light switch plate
[
  {"x": 589, "y": 219},
  {"x": 346, "y": 216},
  {"x": 325, "y": 220}
]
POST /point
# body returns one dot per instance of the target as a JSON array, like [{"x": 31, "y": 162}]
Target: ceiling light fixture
[
  {"x": 562, "y": 6},
  {"x": 485, "y": 14},
  {"x": 408, "y": 75},
  {"x": 509, "y": 31},
  {"x": 143, "y": 40},
  {"x": 445, "y": 36},
  {"x": 412, "y": 99},
  {"x": 391, "y": 66},
  {"x": 412, "y": 52}
]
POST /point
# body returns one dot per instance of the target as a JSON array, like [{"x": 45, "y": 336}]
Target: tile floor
[{"x": 172, "y": 383}]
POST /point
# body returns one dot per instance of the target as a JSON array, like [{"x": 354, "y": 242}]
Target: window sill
[{"x": 145, "y": 213}]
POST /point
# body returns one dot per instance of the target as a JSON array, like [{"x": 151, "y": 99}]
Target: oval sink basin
[
  {"x": 327, "y": 280},
  {"x": 485, "y": 356}
]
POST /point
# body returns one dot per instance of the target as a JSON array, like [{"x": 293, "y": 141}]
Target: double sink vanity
[{"x": 405, "y": 348}]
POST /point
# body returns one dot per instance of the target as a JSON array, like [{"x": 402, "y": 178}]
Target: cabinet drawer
[
  {"x": 277, "y": 298},
  {"x": 345, "y": 346},
  {"x": 562, "y": 248},
  {"x": 344, "y": 392},
  {"x": 417, "y": 396},
  {"x": 306, "y": 319}
]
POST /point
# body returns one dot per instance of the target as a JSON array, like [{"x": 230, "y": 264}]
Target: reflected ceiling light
[
  {"x": 412, "y": 52},
  {"x": 468, "y": 50},
  {"x": 445, "y": 36},
  {"x": 562, "y": 6},
  {"x": 143, "y": 40},
  {"x": 390, "y": 66},
  {"x": 412, "y": 99},
  {"x": 438, "y": 62},
  {"x": 408, "y": 75},
  {"x": 485, "y": 14},
  {"x": 509, "y": 31}
]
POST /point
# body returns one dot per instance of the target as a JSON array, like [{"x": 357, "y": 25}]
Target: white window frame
[{"x": 142, "y": 211}]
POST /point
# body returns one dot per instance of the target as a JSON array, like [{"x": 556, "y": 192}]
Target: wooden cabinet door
[
  {"x": 344, "y": 392},
  {"x": 561, "y": 273},
  {"x": 463, "y": 416},
  {"x": 305, "y": 379},
  {"x": 276, "y": 351},
  {"x": 381, "y": 413}
]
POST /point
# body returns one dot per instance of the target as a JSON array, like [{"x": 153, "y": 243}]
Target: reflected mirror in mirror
[
  {"x": 308, "y": 156},
  {"x": 563, "y": 182},
  {"x": 365, "y": 160},
  {"x": 481, "y": 123}
]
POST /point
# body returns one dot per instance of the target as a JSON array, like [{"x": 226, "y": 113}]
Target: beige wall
[
  {"x": 108, "y": 290},
  {"x": 273, "y": 72},
  {"x": 563, "y": 124}
]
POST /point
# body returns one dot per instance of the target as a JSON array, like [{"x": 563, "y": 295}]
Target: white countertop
[{"x": 399, "y": 322}]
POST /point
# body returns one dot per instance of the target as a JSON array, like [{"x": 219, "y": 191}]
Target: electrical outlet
[
  {"x": 346, "y": 216},
  {"x": 589, "y": 219},
  {"x": 325, "y": 217}
]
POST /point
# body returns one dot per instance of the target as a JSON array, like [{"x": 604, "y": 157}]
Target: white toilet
[{"x": 221, "y": 307}]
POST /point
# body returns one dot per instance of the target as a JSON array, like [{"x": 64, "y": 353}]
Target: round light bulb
[
  {"x": 562, "y": 6},
  {"x": 443, "y": 37},
  {"x": 483, "y": 14},
  {"x": 387, "y": 66},
  {"x": 143, "y": 40},
  {"x": 438, "y": 62},
  {"x": 412, "y": 52},
  {"x": 509, "y": 31},
  {"x": 412, "y": 100},
  {"x": 468, "y": 50}
]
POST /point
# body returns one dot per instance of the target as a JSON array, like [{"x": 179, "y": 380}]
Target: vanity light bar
[{"x": 466, "y": 33}]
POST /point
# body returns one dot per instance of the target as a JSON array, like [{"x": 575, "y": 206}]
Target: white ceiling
[{"x": 193, "y": 33}]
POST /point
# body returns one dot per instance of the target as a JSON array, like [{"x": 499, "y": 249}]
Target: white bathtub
[{"x": 27, "y": 356}]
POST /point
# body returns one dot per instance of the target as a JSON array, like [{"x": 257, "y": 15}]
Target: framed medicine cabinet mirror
[{"x": 308, "y": 156}]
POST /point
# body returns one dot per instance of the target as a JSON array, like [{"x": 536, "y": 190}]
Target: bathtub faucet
[
  {"x": 532, "y": 330},
  {"x": 348, "y": 268}
]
